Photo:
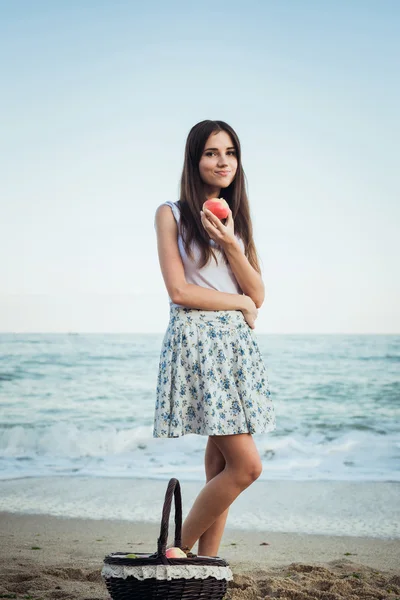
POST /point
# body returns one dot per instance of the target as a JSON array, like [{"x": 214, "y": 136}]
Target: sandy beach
[{"x": 47, "y": 557}]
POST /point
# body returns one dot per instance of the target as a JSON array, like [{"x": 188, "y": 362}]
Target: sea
[
  {"x": 83, "y": 404},
  {"x": 78, "y": 406}
]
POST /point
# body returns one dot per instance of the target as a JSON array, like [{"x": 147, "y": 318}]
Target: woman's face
[{"x": 218, "y": 163}]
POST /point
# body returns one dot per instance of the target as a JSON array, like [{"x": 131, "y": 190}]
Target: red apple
[{"x": 218, "y": 206}]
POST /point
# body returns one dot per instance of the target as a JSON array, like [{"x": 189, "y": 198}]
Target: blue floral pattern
[{"x": 211, "y": 379}]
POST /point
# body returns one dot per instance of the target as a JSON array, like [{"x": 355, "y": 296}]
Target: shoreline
[
  {"x": 229, "y": 527},
  {"x": 334, "y": 508},
  {"x": 61, "y": 557}
]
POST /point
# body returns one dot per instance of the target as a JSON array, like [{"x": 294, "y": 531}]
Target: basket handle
[{"x": 173, "y": 488}]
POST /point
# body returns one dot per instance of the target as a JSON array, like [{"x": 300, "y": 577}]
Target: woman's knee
[
  {"x": 242, "y": 458},
  {"x": 255, "y": 470},
  {"x": 247, "y": 472}
]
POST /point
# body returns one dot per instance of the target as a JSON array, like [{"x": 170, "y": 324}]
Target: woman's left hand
[{"x": 220, "y": 233}]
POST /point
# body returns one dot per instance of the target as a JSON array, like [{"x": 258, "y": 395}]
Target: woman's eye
[{"x": 211, "y": 153}]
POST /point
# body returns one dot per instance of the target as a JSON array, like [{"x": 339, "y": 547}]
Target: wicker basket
[{"x": 155, "y": 576}]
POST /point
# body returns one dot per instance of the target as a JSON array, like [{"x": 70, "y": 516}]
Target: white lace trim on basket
[{"x": 167, "y": 571}]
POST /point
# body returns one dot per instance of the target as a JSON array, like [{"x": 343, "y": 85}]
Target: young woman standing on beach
[{"x": 212, "y": 380}]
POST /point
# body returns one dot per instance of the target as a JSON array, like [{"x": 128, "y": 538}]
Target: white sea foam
[{"x": 114, "y": 452}]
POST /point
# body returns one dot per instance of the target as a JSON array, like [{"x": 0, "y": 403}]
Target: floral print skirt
[{"x": 211, "y": 379}]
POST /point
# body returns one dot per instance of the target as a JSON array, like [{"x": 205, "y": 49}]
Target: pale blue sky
[{"x": 96, "y": 101}]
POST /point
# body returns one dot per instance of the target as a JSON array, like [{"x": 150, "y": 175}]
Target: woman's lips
[{"x": 223, "y": 173}]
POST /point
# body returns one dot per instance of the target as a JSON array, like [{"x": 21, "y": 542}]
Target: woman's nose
[{"x": 222, "y": 161}]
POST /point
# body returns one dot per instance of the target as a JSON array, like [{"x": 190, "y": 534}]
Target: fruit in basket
[
  {"x": 218, "y": 206},
  {"x": 175, "y": 552},
  {"x": 130, "y": 556}
]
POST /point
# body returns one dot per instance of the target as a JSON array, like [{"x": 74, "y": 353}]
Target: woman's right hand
[{"x": 250, "y": 311}]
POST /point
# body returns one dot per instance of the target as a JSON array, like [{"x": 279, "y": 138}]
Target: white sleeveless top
[{"x": 214, "y": 276}]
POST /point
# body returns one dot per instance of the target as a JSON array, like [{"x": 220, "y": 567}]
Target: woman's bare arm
[
  {"x": 181, "y": 292},
  {"x": 248, "y": 278},
  {"x": 196, "y": 296}
]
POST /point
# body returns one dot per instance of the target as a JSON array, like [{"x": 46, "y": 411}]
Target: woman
[{"x": 212, "y": 380}]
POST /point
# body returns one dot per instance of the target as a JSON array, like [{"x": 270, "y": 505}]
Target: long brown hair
[{"x": 193, "y": 196}]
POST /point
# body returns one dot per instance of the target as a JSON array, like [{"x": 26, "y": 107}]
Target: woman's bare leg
[
  {"x": 210, "y": 540},
  {"x": 243, "y": 466}
]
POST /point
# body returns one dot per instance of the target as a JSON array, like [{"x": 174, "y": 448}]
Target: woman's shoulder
[
  {"x": 171, "y": 203},
  {"x": 174, "y": 207}
]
